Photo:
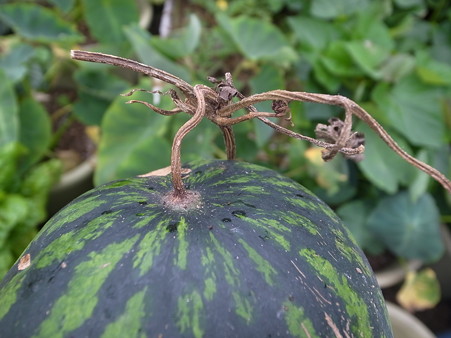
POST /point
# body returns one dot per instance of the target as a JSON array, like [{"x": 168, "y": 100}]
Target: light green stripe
[
  {"x": 129, "y": 323},
  {"x": 298, "y": 323},
  {"x": 354, "y": 305},
  {"x": 72, "y": 213},
  {"x": 350, "y": 252},
  {"x": 295, "y": 219},
  {"x": 243, "y": 307},
  {"x": 270, "y": 225},
  {"x": 232, "y": 275},
  {"x": 72, "y": 309},
  {"x": 208, "y": 262},
  {"x": 189, "y": 314},
  {"x": 263, "y": 266},
  {"x": 182, "y": 250},
  {"x": 8, "y": 294},
  {"x": 149, "y": 247},
  {"x": 74, "y": 240}
]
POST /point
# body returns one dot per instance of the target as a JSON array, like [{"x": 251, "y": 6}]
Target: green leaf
[
  {"x": 409, "y": 229},
  {"x": 35, "y": 130},
  {"x": 6, "y": 260},
  {"x": 97, "y": 89},
  {"x": 382, "y": 166},
  {"x": 182, "y": 43},
  {"x": 419, "y": 184},
  {"x": 13, "y": 210},
  {"x": 314, "y": 33},
  {"x": 107, "y": 18},
  {"x": 140, "y": 40},
  {"x": 40, "y": 179},
  {"x": 396, "y": 67},
  {"x": 431, "y": 71},
  {"x": 9, "y": 157},
  {"x": 36, "y": 187},
  {"x": 337, "y": 61},
  {"x": 132, "y": 142},
  {"x": 256, "y": 39},
  {"x": 409, "y": 3},
  {"x": 64, "y": 5},
  {"x": 268, "y": 78},
  {"x": 40, "y": 24},
  {"x": 331, "y": 9},
  {"x": 14, "y": 62},
  {"x": 354, "y": 215},
  {"x": 9, "y": 118},
  {"x": 368, "y": 56},
  {"x": 414, "y": 109}
]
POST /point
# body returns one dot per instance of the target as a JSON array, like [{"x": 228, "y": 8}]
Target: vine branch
[{"x": 217, "y": 105}]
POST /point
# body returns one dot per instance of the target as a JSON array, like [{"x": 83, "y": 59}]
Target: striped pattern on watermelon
[{"x": 258, "y": 256}]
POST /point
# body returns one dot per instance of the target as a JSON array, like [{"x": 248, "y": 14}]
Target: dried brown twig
[{"x": 216, "y": 104}]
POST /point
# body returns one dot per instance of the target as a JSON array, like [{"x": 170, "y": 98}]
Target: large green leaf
[
  {"x": 14, "y": 62},
  {"x": 132, "y": 142},
  {"x": 97, "y": 89},
  {"x": 337, "y": 61},
  {"x": 414, "y": 109},
  {"x": 35, "y": 130},
  {"x": 382, "y": 166},
  {"x": 182, "y": 42},
  {"x": 268, "y": 78},
  {"x": 368, "y": 56},
  {"x": 257, "y": 39},
  {"x": 312, "y": 32},
  {"x": 409, "y": 229},
  {"x": 38, "y": 23},
  {"x": 355, "y": 215},
  {"x": 107, "y": 18},
  {"x": 64, "y": 5},
  {"x": 13, "y": 209},
  {"x": 9, "y": 118},
  {"x": 331, "y": 9},
  {"x": 432, "y": 71},
  {"x": 140, "y": 40},
  {"x": 9, "y": 157}
]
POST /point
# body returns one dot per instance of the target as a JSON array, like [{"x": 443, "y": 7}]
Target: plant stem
[
  {"x": 176, "y": 166},
  {"x": 136, "y": 66}
]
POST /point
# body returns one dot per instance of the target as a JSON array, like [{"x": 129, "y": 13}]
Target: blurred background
[{"x": 64, "y": 128}]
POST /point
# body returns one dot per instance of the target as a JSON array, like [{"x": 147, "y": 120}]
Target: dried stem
[
  {"x": 217, "y": 105},
  {"x": 136, "y": 66},
  {"x": 176, "y": 166}
]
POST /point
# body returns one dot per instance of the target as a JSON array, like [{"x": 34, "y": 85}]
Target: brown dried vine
[{"x": 216, "y": 104}]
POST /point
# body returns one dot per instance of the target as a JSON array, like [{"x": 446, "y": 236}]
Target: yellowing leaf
[{"x": 420, "y": 291}]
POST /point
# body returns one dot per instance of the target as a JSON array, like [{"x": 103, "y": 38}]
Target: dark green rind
[{"x": 260, "y": 256}]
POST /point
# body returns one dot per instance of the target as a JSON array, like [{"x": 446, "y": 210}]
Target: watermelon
[{"x": 252, "y": 254}]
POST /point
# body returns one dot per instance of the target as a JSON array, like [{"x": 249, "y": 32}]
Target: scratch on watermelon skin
[
  {"x": 298, "y": 323},
  {"x": 233, "y": 265},
  {"x": 354, "y": 305},
  {"x": 76, "y": 305}
]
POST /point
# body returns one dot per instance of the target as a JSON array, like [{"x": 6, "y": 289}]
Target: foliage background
[{"x": 393, "y": 57}]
